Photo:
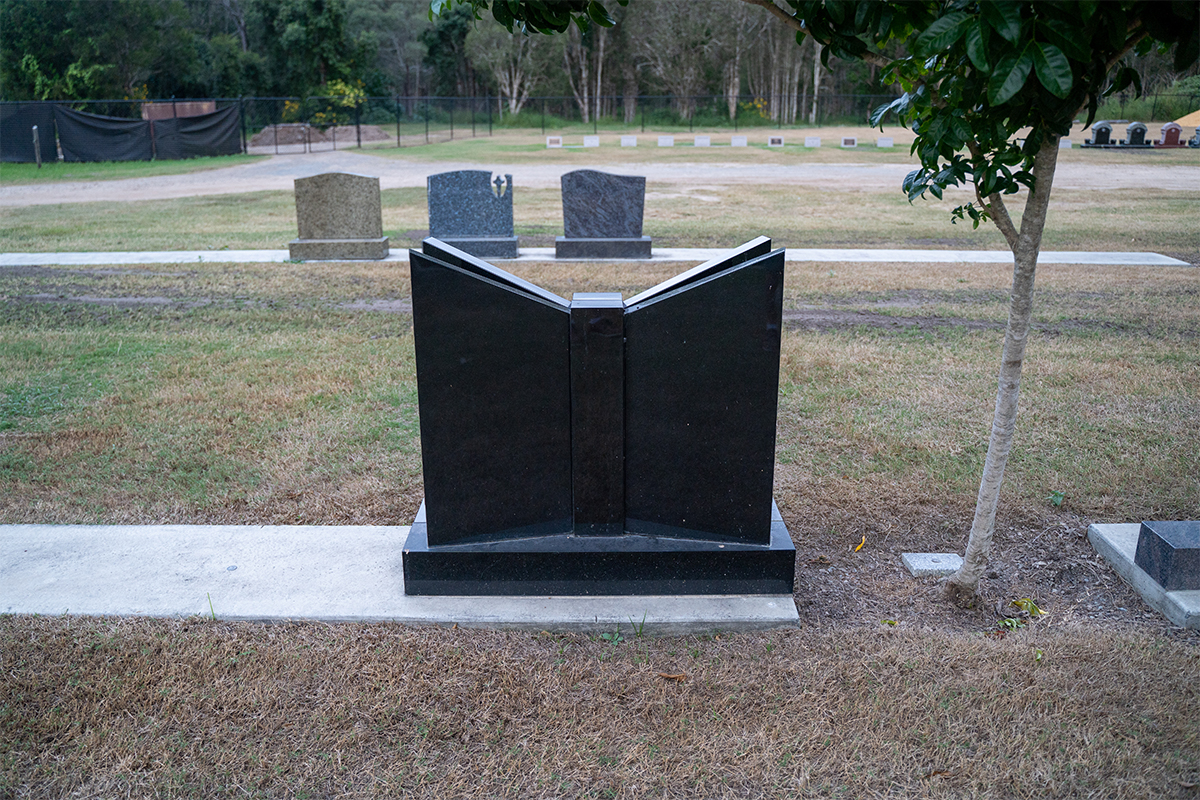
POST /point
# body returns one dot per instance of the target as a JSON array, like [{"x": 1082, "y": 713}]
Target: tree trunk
[
  {"x": 812, "y": 115},
  {"x": 963, "y": 585}
]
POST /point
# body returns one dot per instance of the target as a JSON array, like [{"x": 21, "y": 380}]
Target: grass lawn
[
  {"x": 285, "y": 394},
  {"x": 716, "y": 216},
  {"x": 60, "y": 171}
]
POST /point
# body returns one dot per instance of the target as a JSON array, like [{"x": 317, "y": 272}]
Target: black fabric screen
[
  {"x": 16, "y": 131},
  {"x": 215, "y": 134},
  {"x": 90, "y": 137}
]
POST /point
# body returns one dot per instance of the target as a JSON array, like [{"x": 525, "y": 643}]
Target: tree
[
  {"x": 510, "y": 59},
  {"x": 974, "y": 74}
]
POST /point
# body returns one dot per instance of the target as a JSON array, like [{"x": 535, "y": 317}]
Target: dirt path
[{"x": 278, "y": 172}]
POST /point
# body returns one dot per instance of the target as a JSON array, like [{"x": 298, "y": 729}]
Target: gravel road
[{"x": 278, "y": 172}]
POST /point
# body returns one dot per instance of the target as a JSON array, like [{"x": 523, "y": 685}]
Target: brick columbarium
[{"x": 602, "y": 216}]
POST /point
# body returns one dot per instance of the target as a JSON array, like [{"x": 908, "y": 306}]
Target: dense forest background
[{"x": 157, "y": 49}]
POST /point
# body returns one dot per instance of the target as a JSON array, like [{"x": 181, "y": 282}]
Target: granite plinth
[
  {"x": 338, "y": 205},
  {"x": 486, "y": 247},
  {"x": 602, "y": 248},
  {"x": 571, "y": 565},
  {"x": 1169, "y": 552},
  {"x": 338, "y": 249}
]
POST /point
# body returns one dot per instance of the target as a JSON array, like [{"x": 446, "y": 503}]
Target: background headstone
[
  {"x": 774, "y": 141},
  {"x": 703, "y": 141},
  {"x": 602, "y": 216},
  {"x": 1135, "y": 135},
  {"x": 591, "y": 141},
  {"x": 885, "y": 141},
  {"x": 1064, "y": 144},
  {"x": 339, "y": 217},
  {"x": 473, "y": 212},
  {"x": 628, "y": 141},
  {"x": 1101, "y": 135},
  {"x": 849, "y": 141},
  {"x": 812, "y": 141},
  {"x": 1171, "y": 136},
  {"x": 666, "y": 141},
  {"x": 553, "y": 141},
  {"x": 737, "y": 141}
]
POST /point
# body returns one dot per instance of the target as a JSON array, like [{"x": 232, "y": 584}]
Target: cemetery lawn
[
  {"x": 285, "y": 394},
  {"x": 703, "y": 216},
  {"x": 62, "y": 171}
]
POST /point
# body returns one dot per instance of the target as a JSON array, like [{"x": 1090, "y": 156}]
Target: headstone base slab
[
  {"x": 602, "y": 248},
  {"x": 486, "y": 246},
  {"x": 339, "y": 249},
  {"x": 1117, "y": 543},
  {"x": 571, "y": 565}
]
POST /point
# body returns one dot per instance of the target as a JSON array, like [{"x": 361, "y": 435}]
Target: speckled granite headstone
[
  {"x": 473, "y": 212},
  {"x": 339, "y": 216},
  {"x": 597, "y": 205},
  {"x": 602, "y": 216}
]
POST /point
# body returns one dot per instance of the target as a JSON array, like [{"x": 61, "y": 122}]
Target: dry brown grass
[{"x": 105, "y": 708}]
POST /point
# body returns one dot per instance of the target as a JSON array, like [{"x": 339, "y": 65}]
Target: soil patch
[{"x": 301, "y": 133}]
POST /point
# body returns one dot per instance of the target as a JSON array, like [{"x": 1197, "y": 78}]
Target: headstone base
[
  {"x": 602, "y": 248},
  {"x": 1169, "y": 552},
  {"x": 486, "y": 247},
  {"x": 571, "y": 565},
  {"x": 338, "y": 249}
]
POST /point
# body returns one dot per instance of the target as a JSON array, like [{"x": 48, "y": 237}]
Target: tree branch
[
  {"x": 795, "y": 24},
  {"x": 995, "y": 203}
]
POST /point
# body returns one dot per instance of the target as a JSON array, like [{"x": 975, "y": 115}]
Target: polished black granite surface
[
  {"x": 493, "y": 366},
  {"x": 701, "y": 391},
  {"x": 571, "y": 565},
  {"x": 565, "y": 248},
  {"x": 598, "y": 446},
  {"x": 598, "y": 412},
  {"x": 1169, "y": 552}
]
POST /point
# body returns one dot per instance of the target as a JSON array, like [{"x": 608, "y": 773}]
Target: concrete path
[
  {"x": 332, "y": 573},
  {"x": 681, "y": 254},
  {"x": 278, "y": 172}
]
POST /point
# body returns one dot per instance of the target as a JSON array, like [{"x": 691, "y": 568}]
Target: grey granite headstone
[
  {"x": 1169, "y": 552},
  {"x": 602, "y": 216},
  {"x": 339, "y": 217},
  {"x": 1101, "y": 135},
  {"x": 473, "y": 212}
]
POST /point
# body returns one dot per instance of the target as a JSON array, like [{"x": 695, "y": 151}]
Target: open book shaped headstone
[{"x": 598, "y": 446}]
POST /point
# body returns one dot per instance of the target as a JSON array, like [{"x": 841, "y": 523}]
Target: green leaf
[
  {"x": 600, "y": 15},
  {"x": 1009, "y": 76},
  {"x": 1053, "y": 69},
  {"x": 976, "y": 51},
  {"x": 942, "y": 34},
  {"x": 1004, "y": 16},
  {"x": 1071, "y": 39}
]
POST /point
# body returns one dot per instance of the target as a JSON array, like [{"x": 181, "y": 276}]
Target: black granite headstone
[
  {"x": 1101, "y": 135},
  {"x": 1135, "y": 135},
  {"x": 602, "y": 216},
  {"x": 598, "y": 447},
  {"x": 1169, "y": 552},
  {"x": 472, "y": 212}
]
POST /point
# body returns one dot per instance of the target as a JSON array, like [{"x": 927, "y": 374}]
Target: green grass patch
[{"x": 62, "y": 171}]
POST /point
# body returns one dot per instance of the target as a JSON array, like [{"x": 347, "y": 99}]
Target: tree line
[{"x": 153, "y": 49}]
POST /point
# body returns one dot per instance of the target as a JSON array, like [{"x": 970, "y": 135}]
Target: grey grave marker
[
  {"x": 1135, "y": 135},
  {"x": 812, "y": 141},
  {"x": 472, "y": 212},
  {"x": 339, "y": 217},
  {"x": 1169, "y": 552},
  {"x": 1101, "y": 135},
  {"x": 602, "y": 216},
  {"x": 737, "y": 141}
]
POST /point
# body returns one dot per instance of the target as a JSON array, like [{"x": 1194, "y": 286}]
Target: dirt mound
[{"x": 299, "y": 133}]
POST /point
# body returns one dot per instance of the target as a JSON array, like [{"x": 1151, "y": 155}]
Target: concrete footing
[{"x": 331, "y": 573}]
